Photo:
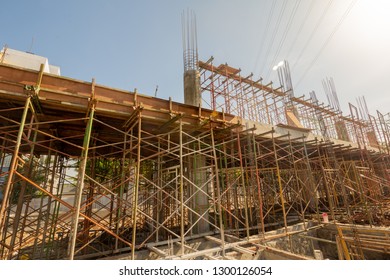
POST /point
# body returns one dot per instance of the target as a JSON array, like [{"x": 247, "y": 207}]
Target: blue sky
[{"x": 137, "y": 44}]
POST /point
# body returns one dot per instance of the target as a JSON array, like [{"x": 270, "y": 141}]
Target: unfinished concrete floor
[{"x": 305, "y": 241}]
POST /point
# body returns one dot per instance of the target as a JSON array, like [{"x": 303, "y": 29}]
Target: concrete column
[
  {"x": 197, "y": 162},
  {"x": 192, "y": 94}
]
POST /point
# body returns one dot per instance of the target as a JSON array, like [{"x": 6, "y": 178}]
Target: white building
[{"x": 27, "y": 60}]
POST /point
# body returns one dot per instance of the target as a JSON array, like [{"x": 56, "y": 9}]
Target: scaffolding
[{"x": 89, "y": 171}]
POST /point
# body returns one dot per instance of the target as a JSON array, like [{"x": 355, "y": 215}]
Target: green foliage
[
  {"x": 104, "y": 169},
  {"x": 147, "y": 169},
  {"x": 108, "y": 171}
]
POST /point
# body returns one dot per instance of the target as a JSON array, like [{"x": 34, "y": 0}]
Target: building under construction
[{"x": 242, "y": 170}]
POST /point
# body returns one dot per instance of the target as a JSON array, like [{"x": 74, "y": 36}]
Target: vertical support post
[
  {"x": 56, "y": 206},
  {"x": 324, "y": 163},
  {"x": 19, "y": 207},
  {"x": 12, "y": 169},
  {"x": 181, "y": 188},
  {"x": 311, "y": 180},
  {"x": 343, "y": 243},
  {"x": 121, "y": 192},
  {"x": 218, "y": 187},
  {"x": 159, "y": 195},
  {"x": 79, "y": 192},
  {"x": 339, "y": 248},
  {"x": 90, "y": 194},
  {"x": 136, "y": 187},
  {"x": 49, "y": 206},
  {"x": 299, "y": 183},
  {"x": 243, "y": 186},
  {"x": 279, "y": 183},
  {"x": 258, "y": 180}
]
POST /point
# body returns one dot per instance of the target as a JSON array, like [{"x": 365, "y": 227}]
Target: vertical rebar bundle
[{"x": 190, "y": 40}]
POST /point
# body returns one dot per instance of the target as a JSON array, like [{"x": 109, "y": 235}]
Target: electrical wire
[
  {"x": 313, "y": 33},
  {"x": 265, "y": 33},
  {"x": 275, "y": 31},
  {"x": 284, "y": 36},
  {"x": 305, "y": 17},
  {"x": 343, "y": 17}
]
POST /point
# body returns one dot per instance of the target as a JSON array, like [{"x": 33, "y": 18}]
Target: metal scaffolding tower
[{"x": 89, "y": 171}]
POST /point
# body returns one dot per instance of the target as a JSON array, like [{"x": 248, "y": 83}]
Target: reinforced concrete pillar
[
  {"x": 196, "y": 164},
  {"x": 192, "y": 95}
]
